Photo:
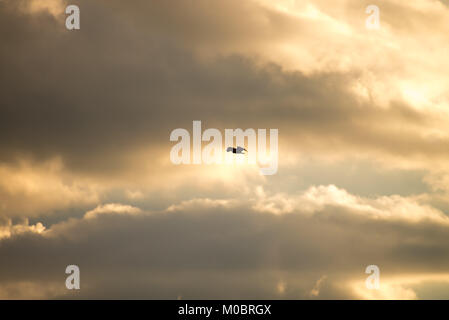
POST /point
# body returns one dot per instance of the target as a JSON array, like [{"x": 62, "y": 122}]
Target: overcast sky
[{"x": 85, "y": 170}]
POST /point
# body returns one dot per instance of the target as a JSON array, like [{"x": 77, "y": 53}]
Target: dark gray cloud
[
  {"x": 101, "y": 97},
  {"x": 222, "y": 253},
  {"x": 119, "y": 85}
]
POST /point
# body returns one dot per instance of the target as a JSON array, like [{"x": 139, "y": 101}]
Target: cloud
[
  {"x": 8, "y": 229},
  {"x": 111, "y": 208},
  {"x": 105, "y": 131},
  {"x": 199, "y": 204},
  {"x": 54, "y": 7},
  {"x": 160, "y": 255},
  {"x": 404, "y": 287},
  {"x": 315, "y": 199},
  {"x": 84, "y": 149},
  {"x": 29, "y": 188},
  {"x": 315, "y": 292}
]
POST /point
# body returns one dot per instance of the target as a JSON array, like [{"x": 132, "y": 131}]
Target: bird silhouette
[{"x": 238, "y": 150}]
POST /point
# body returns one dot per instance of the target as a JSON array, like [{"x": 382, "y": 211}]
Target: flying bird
[{"x": 236, "y": 150}]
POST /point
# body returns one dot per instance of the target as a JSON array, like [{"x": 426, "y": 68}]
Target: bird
[{"x": 238, "y": 150}]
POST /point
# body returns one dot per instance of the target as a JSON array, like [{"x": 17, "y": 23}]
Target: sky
[{"x": 85, "y": 171}]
